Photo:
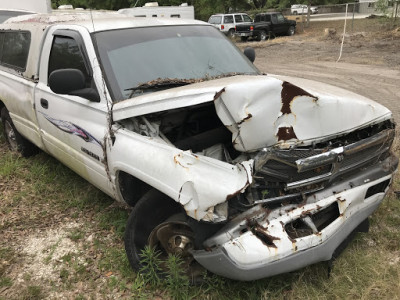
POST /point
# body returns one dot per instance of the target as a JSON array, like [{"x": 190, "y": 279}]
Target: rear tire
[
  {"x": 262, "y": 36},
  {"x": 16, "y": 142},
  {"x": 291, "y": 31},
  {"x": 231, "y": 33}
]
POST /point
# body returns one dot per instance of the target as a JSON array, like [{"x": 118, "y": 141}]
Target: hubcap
[
  {"x": 10, "y": 134},
  {"x": 176, "y": 238},
  {"x": 173, "y": 238}
]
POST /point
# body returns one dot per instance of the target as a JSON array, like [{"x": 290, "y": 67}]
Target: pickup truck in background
[
  {"x": 266, "y": 25},
  {"x": 243, "y": 174}
]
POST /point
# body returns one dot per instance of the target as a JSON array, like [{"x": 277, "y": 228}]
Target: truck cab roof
[{"x": 91, "y": 21}]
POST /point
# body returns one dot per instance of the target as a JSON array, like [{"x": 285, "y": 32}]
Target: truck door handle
[{"x": 44, "y": 103}]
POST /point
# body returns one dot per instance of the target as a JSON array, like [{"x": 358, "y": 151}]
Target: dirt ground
[{"x": 370, "y": 66}]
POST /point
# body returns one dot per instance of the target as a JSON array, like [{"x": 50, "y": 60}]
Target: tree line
[{"x": 203, "y": 8}]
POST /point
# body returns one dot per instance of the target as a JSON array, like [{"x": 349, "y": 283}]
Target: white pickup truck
[{"x": 244, "y": 174}]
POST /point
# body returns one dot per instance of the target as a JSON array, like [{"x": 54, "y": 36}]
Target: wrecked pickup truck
[{"x": 244, "y": 174}]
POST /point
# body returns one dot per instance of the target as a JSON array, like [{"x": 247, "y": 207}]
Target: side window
[
  {"x": 246, "y": 18},
  {"x": 228, "y": 19},
  {"x": 238, "y": 19},
  {"x": 65, "y": 54},
  {"x": 281, "y": 19},
  {"x": 267, "y": 18},
  {"x": 15, "y": 49},
  {"x": 274, "y": 20}
]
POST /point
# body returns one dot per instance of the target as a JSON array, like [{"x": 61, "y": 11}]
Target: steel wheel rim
[
  {"x": 263, "y": 36},
  {"x": 10, "y": 135}
]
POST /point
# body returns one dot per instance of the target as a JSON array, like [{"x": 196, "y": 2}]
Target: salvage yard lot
[{"x": 61, "y": 238}]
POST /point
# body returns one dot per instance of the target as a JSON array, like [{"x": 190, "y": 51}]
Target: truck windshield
[{"x": 135, "y": 58}]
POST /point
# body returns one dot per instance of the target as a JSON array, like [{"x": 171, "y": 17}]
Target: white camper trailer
[
  {"x": 183, "y": 11},
  {"x": 10, "y": 9}
]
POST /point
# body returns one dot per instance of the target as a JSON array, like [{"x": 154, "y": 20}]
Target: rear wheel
[
  {"x": 262, "y": 36},
  {"x": 231, "y": 33},
  {"x": 16, "y": 142},
  {"x": 159, "y": 222},
  {"x": 291, "y": 30}
]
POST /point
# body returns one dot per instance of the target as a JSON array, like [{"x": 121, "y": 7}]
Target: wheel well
[
  {"x": 1, "y": 105},
  {"x": 131, "y": 188}
]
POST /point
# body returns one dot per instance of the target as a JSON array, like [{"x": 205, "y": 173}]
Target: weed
[
  {"x": 151, "y": 269},
  {"x": 75, "y": 235},
  {"x": 64, "y": 274},
  {"x": 5, "y": 281},
  {"x": 32, "y": 292},
  {"x": 177, "y": 281}
]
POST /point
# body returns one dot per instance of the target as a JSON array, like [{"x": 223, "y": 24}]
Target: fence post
[{"x": 344, "y": 32}]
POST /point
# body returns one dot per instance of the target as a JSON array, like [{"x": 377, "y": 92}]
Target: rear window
[
  {"x": 14, "y": 49},
  {"x": 263, "y": 18}
]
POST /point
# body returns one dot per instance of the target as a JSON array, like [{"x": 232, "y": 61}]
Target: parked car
[
  {"x": 266, "y": 25},
  {"x": 243, "y": 174},
  {"x": 227, "y": 22},
  {"x": 298, "y": 9}
]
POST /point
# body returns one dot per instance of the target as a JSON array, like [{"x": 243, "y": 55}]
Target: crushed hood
[{"x": 262, "y": 111}]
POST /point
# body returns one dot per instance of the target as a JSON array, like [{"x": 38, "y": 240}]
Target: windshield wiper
[
  {"x": 161, "y": 83},
  {"x": 175, "y": 82}
]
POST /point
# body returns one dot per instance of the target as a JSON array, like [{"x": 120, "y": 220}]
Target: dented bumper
[{"x": 261, "y": 242}]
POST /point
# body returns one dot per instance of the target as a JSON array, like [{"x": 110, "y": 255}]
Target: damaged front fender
[{"x": 197, "y": 182}]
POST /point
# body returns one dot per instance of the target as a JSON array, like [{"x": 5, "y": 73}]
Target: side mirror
[
  {"x": 250, "y": 53},
  {"x": 72, "y": 82}
]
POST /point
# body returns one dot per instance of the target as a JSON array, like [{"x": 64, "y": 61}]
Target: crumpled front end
[
  {"x": 303, "y": 204},
  {"x": 285, "y": 174}
]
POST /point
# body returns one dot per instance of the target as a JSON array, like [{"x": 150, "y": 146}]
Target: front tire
[
  {"x": 159, "y": 222},
  {"x": 16, "y": 142}
]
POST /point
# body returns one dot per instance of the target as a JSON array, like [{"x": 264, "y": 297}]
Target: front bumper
[{"x": 259, "y": 243}]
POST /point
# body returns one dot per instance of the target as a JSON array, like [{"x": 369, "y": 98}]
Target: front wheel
[
  {"x": 159, "y": 222},
  {"x": 16, "y": 142},
  {"x": 291, "y": 31}
]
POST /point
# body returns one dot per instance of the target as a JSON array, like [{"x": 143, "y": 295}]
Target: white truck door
[{"x": 73, "y": 128}]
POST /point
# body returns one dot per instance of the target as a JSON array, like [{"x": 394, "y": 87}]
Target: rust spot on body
[
  {"x": 286, "y": 133},
  {"x": 265, "y": 238},
  {"x": 249, "y": 116},
  {"x": 178, "y": 162},
  {"x": 218, "y": 94},
  {"x": 289, "y": 93}
]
